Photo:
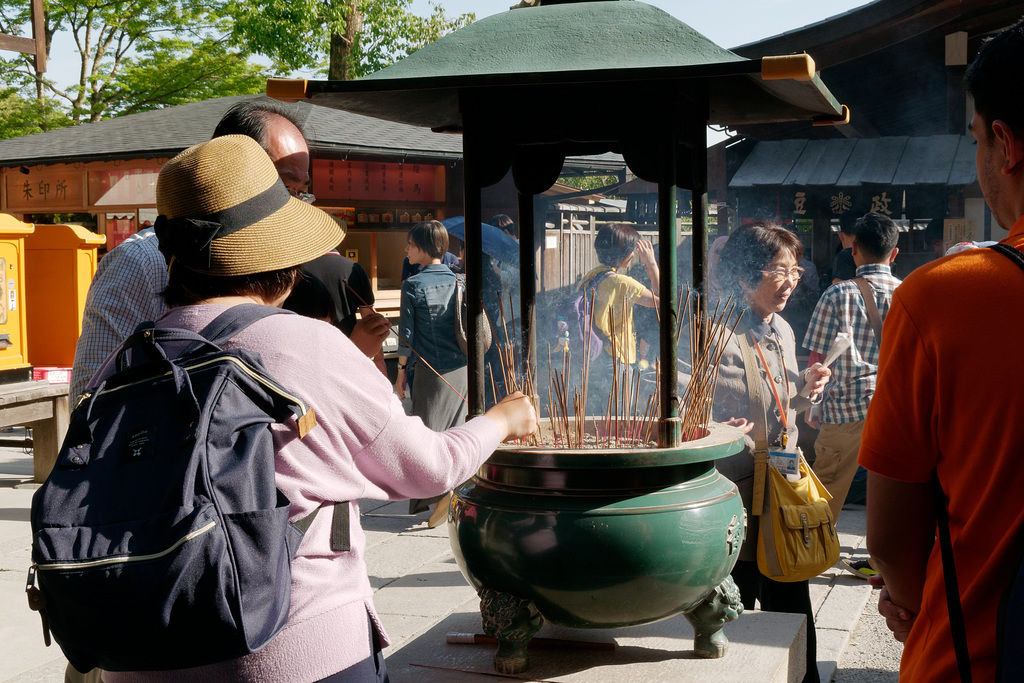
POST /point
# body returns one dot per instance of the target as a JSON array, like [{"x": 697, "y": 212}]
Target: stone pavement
[{"x": 421, "y": 596}]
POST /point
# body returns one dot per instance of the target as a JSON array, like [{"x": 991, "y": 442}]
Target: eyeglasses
[
  {"x": 780, "y": 274},
  {"x": 307, "y": 197}
]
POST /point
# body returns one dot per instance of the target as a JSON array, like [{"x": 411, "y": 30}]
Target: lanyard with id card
[{"x": 784, "y": 457}]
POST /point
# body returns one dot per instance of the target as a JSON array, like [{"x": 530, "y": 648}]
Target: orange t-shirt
[{"x": 950, "y": 398}]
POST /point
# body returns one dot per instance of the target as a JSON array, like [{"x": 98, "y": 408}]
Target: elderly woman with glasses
[{"x": 758, "y": 267}]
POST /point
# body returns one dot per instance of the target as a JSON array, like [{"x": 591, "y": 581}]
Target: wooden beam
[
  {"x": 39, "y": 34},
  {"x": 17, "y": 44},
  {"x": 36, "y": 45}
]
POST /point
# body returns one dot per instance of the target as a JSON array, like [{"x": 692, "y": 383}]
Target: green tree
[
  {"x": 21, "y": 116},
  {"x": 343, "y": 39},
  {"x": 134, "y": 55}
]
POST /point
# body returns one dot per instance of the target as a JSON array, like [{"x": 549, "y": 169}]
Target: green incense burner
[{"x": 601, "y": 538}]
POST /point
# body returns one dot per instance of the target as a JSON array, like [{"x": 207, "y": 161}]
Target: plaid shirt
[
  {"x": 841, "y": 309},
  {"x": 124, "y": 292}
]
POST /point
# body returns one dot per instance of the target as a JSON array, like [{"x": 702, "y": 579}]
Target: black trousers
[{"x": 774, "y": 596}]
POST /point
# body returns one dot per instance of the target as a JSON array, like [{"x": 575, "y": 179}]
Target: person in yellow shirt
[{"x": 614, "y": 295}]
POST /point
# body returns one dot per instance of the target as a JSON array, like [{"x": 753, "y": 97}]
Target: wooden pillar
[
  {"x": 474, "y": 274},
  {"x": 670, "y": 434},
  {"x": 529, "y": 237}
]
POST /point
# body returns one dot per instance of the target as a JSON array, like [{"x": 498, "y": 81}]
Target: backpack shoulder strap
[
  {"x": 957, "y": 629},
  {"x": 235, "y": 319},
  {"x": 1009, "y": 252},
  {"x": 869, "y": 303}
]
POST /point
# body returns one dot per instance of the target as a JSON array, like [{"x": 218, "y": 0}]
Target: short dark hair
[
  {"x": 252, "y": 118},
  {"x": 186, "y": 287},
  {"x": 506, "y": 223},
  {"x": 935, "y": 231},
  {"x": 311, "y": 298},
  {"x": 614, "y": 242},
  {"x": 751, "y": 249},
  {"x": 430, "y": 237},
  {"x": 989, "y": 79},
  {"x": 847, "y": 221},
  {"x": 876, "y": 234}
]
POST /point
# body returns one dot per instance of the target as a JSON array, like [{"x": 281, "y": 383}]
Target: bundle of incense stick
[
  {"x": 709, "y": 333},
  {"x": 510, "y": 362},
  {"x": 625, "y": 422},
  {"x": 628, "y": 421}
]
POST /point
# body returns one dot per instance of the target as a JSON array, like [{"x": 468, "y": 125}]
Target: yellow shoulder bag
[{"x": 796, "y": 537}]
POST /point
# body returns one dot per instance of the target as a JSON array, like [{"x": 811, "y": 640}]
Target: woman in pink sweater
[{"x": 364, "y": 445}]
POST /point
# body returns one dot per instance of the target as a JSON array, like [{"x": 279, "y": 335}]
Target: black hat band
[{"x": 189, "y": 239}]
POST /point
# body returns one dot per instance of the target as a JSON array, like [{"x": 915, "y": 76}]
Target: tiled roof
[{"x": 165, "y": 132}]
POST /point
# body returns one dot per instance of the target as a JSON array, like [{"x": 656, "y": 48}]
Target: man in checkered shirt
[{"x": 842, "y": 309}]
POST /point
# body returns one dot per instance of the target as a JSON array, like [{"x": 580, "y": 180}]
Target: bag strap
[
  {"x": 224, "y": 327},
  {"x": 957, "y": 628},
  {"x": 461, "y": 331},
  {"x": 235, "y": 319},
  {"x": 869, "y": 303},
  {"x": 340, "y": 541},
  {"x": 755, "y": 392},
  {"x": 1010, "y": 252}
]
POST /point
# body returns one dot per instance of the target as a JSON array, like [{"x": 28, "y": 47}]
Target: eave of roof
[
  {"x": 927, "y": 160},
  {"x": 521, "y": 56},
  {"x": 162, "y": 133}
]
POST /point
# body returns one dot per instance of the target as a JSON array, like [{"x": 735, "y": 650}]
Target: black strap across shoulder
[
  {"x": 957, "y": 628},
  {"x": 1009, "y": 252}
]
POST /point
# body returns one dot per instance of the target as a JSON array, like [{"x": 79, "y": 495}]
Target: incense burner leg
[
  {"x": 718, "y": 608},
  {"x": 513, "y": 621}
]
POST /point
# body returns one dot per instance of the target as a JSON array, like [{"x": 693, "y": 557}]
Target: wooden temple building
[{"x": 906, "y": 152}]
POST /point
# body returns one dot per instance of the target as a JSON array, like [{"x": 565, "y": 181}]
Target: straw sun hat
[{"x": 224, "y": 211}]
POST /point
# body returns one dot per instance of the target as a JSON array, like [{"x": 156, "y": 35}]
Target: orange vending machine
[
  {"x": 60, "y": 261},
  {"x": 14, "y": 363}
]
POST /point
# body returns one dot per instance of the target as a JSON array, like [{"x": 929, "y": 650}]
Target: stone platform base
[{"x": 764, "y": 647}]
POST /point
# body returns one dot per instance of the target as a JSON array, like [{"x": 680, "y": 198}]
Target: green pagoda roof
[{"x": 588, "y": 47}]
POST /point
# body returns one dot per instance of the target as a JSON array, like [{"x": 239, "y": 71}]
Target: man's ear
[
  {"x": 892, "y": 256},
  {"x": 1012, "y": 147},
  {"x": 854, "y": 248}
]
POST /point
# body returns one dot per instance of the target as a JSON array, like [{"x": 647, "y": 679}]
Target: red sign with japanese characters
[{"x": 377, "y": 181}]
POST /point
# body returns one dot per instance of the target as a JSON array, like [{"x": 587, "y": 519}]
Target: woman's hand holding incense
[
  {"x": 515, "y": 416},
  {"x": 370, "y": 331}
]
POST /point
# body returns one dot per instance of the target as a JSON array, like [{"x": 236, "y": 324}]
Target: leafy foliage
[
  {"x": 298, "y": 34},
  {"x": 137, "y": 55},
  {"x": 589, "y": 182},
  {"x": 20, "y": 116},
  {"x": 134, "y": 55}
]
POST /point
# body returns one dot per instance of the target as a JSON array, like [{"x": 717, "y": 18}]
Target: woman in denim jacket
[{"x": 427, "y": 324}]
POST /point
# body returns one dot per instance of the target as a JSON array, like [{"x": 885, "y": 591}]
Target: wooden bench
[{"x": 43, "y": 407}]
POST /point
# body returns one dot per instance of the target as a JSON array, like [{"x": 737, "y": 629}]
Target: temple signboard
[
  {"x": 56, "y": 187},
  {"x": 378, "y": 181}
]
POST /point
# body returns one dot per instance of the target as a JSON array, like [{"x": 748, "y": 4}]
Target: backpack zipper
[
  {"x": 124, "y": 559},
  {"x": 245, "y": 368}
]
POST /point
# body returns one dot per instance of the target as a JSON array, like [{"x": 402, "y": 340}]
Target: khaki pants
[{"x": 835, "y": 460}]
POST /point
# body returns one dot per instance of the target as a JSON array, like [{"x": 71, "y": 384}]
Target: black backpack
[{"x": 160, "y": 540}]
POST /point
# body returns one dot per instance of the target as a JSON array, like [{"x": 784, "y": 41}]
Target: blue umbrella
[{"x": 496, "y": 243}]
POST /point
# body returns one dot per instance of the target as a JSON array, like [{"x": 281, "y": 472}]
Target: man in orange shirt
[{"x": 947, "y": 405}]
